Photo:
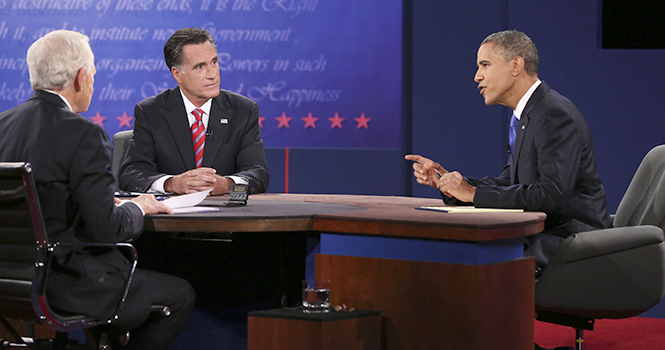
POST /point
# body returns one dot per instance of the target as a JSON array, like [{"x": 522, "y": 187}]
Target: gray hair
[
  {"x": 513, "y": 43},
  {"x": 54, "y": 59}
]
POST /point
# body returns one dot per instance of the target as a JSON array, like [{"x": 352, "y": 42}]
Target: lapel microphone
[{"x": 209, "y": 134}]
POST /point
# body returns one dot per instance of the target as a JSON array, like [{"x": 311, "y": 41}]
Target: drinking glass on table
[{"x": 316, "y": 296}]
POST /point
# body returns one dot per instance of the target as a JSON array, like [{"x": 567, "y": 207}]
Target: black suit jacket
[
  {"x": 553, "y": 169},
  {"x": 71, "y": 161},
  {"x": 162, "y": 142}
]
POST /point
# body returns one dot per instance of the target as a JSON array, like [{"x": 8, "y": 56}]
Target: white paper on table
[
  {"x": 198, "y": 209},
  {"x": 186, "y": 200}
]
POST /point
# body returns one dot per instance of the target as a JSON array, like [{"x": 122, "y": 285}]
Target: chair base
[
  {"x": 577, "y": 322},
  {"x": 60, "y": 342},
  {"x": 580, "y": 324}
]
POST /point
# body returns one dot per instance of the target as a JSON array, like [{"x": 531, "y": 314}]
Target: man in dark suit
[
  {"x": 71, "y": 160},
  {"x": 162, "y": 155},
  {"x": 552, "y": 165},
  {"x": 165, "y": 155}
]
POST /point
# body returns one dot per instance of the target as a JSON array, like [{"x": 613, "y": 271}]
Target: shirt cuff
[
  {"x": 237, "y": 179},
  {"x": 158, "y": 185}
]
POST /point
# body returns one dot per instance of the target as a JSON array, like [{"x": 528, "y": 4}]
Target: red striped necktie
[{"x": 198, "y": 136}]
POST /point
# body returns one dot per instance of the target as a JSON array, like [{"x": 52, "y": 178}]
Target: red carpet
[{"x": 626, "y": 334}]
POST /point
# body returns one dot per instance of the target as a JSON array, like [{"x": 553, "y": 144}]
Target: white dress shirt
[
  {"x": 520, "y": 105},
  {"x": 158, "y": 185}
]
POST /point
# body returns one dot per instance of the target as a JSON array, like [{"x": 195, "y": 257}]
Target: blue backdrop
[{"x": 315, "y": 67}]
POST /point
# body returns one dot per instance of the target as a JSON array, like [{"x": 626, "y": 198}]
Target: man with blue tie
[{"x": 551, "y": 167}]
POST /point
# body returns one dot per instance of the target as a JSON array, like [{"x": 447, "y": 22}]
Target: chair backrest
[
  {"x": 25, "y": 254},
  {"x": 23, "y": 243},
  {"x": 120, "y": 142},
  {"x": 644, "y": 201}
]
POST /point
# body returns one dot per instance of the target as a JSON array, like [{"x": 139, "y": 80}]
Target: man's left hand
[
  {"x": 454, "y": 185},
  {"x": 222, "y": 185}
]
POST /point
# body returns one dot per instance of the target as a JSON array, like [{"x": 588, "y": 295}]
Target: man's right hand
[
  {"x": 425, "y": 170},
  {"x": 191, "y": 181},
  {"x": 151, "y": 205}
]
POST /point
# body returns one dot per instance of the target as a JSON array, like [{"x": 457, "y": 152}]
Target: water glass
[{"x": 316, "y": 296}]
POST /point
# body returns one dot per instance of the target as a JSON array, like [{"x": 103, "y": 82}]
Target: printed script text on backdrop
[{"x": 324, "y": 73}]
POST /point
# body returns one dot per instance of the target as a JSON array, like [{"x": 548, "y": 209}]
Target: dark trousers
[{"x": 153, "y": 288}]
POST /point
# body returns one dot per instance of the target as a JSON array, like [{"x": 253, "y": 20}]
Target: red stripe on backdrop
[{"x": 286, "y": 170}]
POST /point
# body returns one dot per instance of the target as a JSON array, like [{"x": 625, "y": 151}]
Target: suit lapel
[
  {"x": 220, "y": 117},
  {"x": 523, "y": 127},
  {"x": 176, "y": 119}
]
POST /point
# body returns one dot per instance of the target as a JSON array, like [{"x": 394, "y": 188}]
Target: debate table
[{"x": 440, "y": 280}]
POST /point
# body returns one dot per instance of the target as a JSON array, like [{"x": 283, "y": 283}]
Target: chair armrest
[
  {"x": 618, "y": 270},
  {"x": 590, "y": 244}
]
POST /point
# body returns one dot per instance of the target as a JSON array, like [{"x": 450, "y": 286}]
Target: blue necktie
[{"x": 512, "y": 134}]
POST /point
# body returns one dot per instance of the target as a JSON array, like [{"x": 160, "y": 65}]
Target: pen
[{"x": 438, "y": 175}]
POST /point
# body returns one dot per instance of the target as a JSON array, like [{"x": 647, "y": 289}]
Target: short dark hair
[
  {"x": 513, "y": 43},
  {"x": 181, "y": 37}
]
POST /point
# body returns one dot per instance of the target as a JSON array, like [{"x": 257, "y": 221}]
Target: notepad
[
  {"x": 124, "y": 194},
  {"x": 469, "y": 209}
]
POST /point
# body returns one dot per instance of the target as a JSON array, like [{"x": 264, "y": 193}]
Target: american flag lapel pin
[{"x": 224, "y": 121}]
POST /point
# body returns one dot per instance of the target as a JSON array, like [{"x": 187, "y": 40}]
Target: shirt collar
[
  {"x": 520, "y": 105},
  {"x": 189, "y": 106},
  {"x": 62, "y": 97}
]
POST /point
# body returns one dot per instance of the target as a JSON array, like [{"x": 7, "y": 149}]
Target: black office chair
[
  {"x": 120, "y": 143},
  {"x": 25, "y": 256},
  {"x": 612, "y": 273}
]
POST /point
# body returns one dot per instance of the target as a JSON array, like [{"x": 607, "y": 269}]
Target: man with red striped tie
[{"x": 196, "y": 136}]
